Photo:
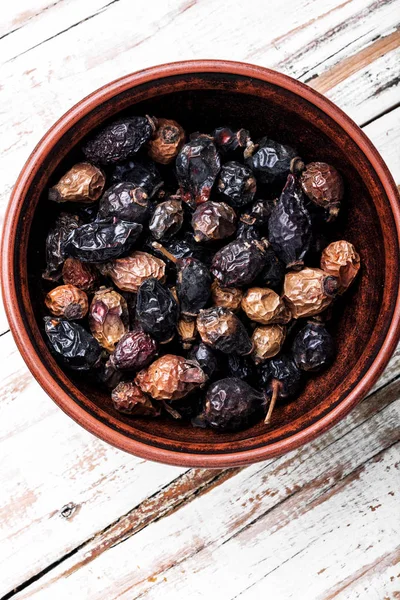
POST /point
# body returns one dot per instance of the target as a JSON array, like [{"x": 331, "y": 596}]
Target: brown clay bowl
[{"x": 202, "y": 95}]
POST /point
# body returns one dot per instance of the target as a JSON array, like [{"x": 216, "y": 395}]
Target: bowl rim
[{"x": 33, "y": 359}]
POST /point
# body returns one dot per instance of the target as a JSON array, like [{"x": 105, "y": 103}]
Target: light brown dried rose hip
[
  {"x": 267, "y": 341},
  {"x": 129, "y": 273},
  {"x": 341, "y": 260},
  {"x": 108, "y": 317},
  {"x": 129, "y": 399},
  {"x": 309, "y": 291},
  {"x": 265, "y": 306},
  {"x": 67, "y": 301},
  {"x": 82, "y": 183},
  {"x": 170, "y": 378},
  {"x": 166, "y": 142}
]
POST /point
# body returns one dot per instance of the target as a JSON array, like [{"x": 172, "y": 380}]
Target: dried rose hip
[
  {"x": 129, "y": 273},
  {"x": 167, "y": 219},
  {"x": 341, "y": 260},
  {"x": 134, "y": 351},
  {"x": 231, "y": 404},
  {"x": 141, "y": 173},
  {"x": 241, "y": 367},
  {"x": 289, "y": 226},
  {"x": 281, "y": 378},
  {"x": 108, "y": 317},
  {"x": 271, "y": 161},
  {"x": 82, "y": 183},
  {"x": 313, "y": 347},
  {"x": 72, "y": 344},
  {"x": 236, "y": 184},
  {"x": 56, "y": 237},
  {"x": 309, "y": 292},
  {"x": 324, "y": 186},
  {"x": 213, "y": 221},
  {"x": 156, "y": 310},
  {"x": 101, "y": 241},
  {"x": 67, "y": 301},
  {"x": 170, "y": 378},
  {"x": 197, "y": 166},
  {"x": 127, "y": 202},
  {"x": 129, "y": 399},
  {"x": 221, "y": 329},
  {"x": 118, "y": 140},
  {"x": 81, "y": 275},
  {"x": 227, "y": 297},
  {"x": 273, "y": 273},
  {"x": 267, "y": 341},
  {"x": 166, "y": 142},
  {"x": 238, "y": 263},
  {"x": 193, "y": 283},
  {"x": 265, "y": 306}
]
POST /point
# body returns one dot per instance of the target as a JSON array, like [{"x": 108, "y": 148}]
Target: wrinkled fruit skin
[
  {"x": 82, "y": 183},
  {"x": 341, "y": 260},
  {"x": 134, "y": 351},
  {"x": 67, "y": 301},
  {"x": 323, "y": 185},
  {"x": 259, "y": 213},
  {"x": 193, "y": 286},
  {"x": 156, "y": 310},
  {"x": 118, "y": 140},
  {"x": 289, "y": 226},
  {"x": 142, "y": 173},
  {"x": 102, "y": 241},
  {"x": 308, "y": 292},
  {"x": 72, "y": 344},
  {"x": 108, "y": 318},
  {"x": 230, "y": 404},
  {"x": 236, "y": 184},
  {"x": 167, "y": 219},
  {"x": 63, "y": 227},
  {"x": 313, "y": 347},
  {"x": 197, "y": 166},
  {"x": 265, "y": 306},
  {"x": 213, "y": 221},
  {"x": 227, "y": 297},
  {"x": 130, "y": 272},
  {"x": 206, "y": 358},
  {"x": 166, "y": 142},
  {"x": 127, "y": 202},
  {"x": 228, "y": 141},
  {"x": 222, "y": 330},
  {"x": 273, "y": 273},
  {"x": 241, "y": 367},
  {"x": 271, "y": 161},
  {"x": 283, "y": 369},
  {"x": 79, "y": 274},
  {"x": 267, "y": 342},
  {"x": 238, "y": 263},
  {"x": 170, "y": 378},
  {"x": 129, "y": 399}
]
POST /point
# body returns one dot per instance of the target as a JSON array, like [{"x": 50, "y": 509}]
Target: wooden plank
[{"x": 269, "y": 514}]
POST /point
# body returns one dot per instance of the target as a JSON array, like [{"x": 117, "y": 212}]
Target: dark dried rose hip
[
  {"x": 134, "y": 351},
  {"x": 81, "y": 275},
  {"x": 221, "y": 329},
  {"x": 72, "y": 344},
  {"x": 197, "y": 166},
  {"x": 127, "y": 202}
]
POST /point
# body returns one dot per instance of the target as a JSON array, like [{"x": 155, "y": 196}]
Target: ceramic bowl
[{"x": 202, "y": 95}]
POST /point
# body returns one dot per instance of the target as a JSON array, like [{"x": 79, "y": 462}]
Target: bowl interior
[{"x": 203, "y": 101}]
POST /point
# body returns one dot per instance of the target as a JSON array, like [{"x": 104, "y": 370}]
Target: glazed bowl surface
[{"x": 202, "y": 95}]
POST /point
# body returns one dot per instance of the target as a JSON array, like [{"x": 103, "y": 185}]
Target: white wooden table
[{"x": 80, "y": 519}]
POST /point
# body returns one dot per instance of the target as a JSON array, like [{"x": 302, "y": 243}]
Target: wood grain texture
[{"x": 70, "y": 60}]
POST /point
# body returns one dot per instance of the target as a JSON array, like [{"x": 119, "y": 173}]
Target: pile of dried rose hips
[{"x": 200, "y": 301}]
